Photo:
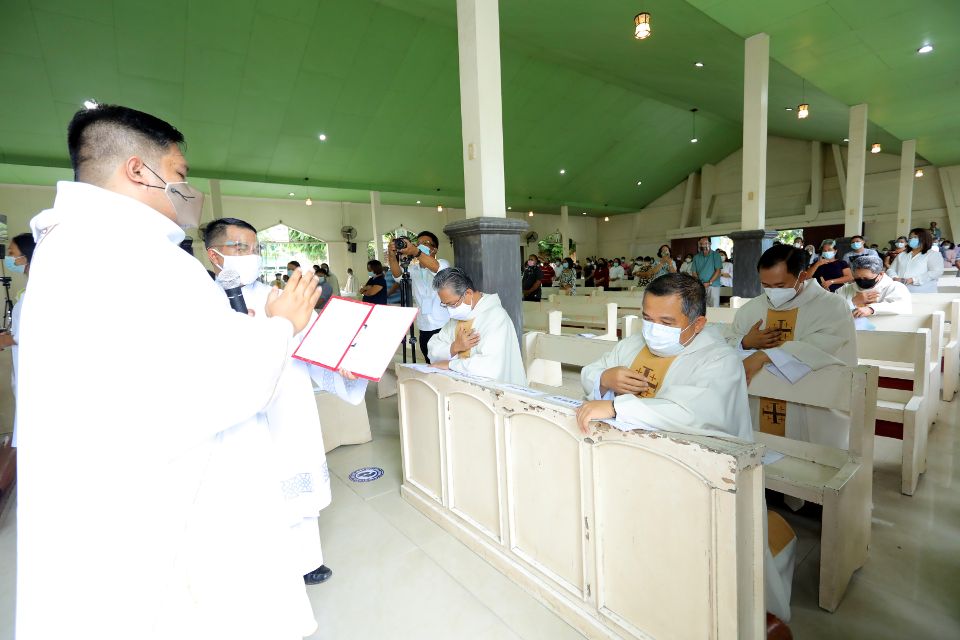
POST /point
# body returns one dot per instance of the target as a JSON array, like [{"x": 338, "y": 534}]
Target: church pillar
[
  {"x": 908, "y": 152},
  {"x": 856, "y": 167},
  {"x": 487, "y": 243}
]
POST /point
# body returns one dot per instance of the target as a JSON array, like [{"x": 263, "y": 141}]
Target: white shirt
[
  {"x": 616, "y": 272},
  {"x": 432, "y": 316},
  {"x": 924, "y": 268},
  {"x": 139, "y": 469},
  {"x": 726, "y": 280},
  {"x": 704, "y": 391},
  {"x": 894, "y": 296},
  {"x": 496, "y": 356}
]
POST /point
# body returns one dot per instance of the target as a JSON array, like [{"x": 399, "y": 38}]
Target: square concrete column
[
  {"x": 488, "y": 249},
  {"x": 756, "y": 65},
  {"x": 748, "y": 246},
  {"x": 856, "y": 167}
]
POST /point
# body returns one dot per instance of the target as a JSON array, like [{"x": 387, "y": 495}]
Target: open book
[{"x": 357, "y": 336}]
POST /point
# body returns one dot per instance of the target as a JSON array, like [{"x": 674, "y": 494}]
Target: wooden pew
[
  {"x": 721, "y": 315},
  {"x": 840, "y": 480},
  {"x": 544, "y": 356},
  {"x": 736, "y": 301},
  {"x": 589, "y": 524},
  {"x": 950, "y": 305},
  {"x": 584, "y": 313},
  {"x": 934, "y": 322},
  {"x": 902, "y": 412}
]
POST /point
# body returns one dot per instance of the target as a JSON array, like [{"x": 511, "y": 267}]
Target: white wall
[{"x": 788, "y": 194}]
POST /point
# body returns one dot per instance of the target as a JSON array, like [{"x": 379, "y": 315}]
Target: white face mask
[
  {"x": 460, "y": 312},
  {"x": 780, "y": 297},
  {"x": 247, "y": 267},
  {"x": 662, "y": 340}
]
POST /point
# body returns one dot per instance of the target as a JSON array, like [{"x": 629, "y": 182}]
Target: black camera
[
  {"x": 5, "y": 281},
  {"x": 400, "y": 244}
]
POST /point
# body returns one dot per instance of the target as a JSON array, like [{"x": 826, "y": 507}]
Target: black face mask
[{"x": 865, "y": 283}]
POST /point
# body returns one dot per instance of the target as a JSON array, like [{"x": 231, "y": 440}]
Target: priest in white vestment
[
  {"x": 142, "y": 470},
  {"x": 677, "y": 375},
  {"x": 480, "y": 338},
  {"x": 292, "y": 416},
  {"x": 795, "y": 328},
  {"x": 873, "y": 292}
]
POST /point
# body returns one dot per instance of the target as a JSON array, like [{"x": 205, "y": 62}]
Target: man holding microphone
[{"x": 142, "y": 465}]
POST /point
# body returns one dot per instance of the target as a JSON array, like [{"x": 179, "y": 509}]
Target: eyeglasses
[
  {"x": 240, "y": 248},
  {"x": 455, "y": 304}
]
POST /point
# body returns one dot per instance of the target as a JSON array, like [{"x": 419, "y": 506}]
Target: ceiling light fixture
[
  {"x": 584, "y": 213},
  {"x": 439, "y": 208},
  {"x": 606, "y": 218},
  {"x": 563, "y": 171},
  {"x": 918, "y": 173},
  {"x": 529, "y": 214},
  {"x": 322, "y": 137},
  {"x": 694, "y": 139},
  {"x": 788, "y": 108},
  {"x": 803, "y": 110},
  {"x": 926, "y": 48},
  {"x": 308, "y": 202},
  {"x": 418, "y": 202},
  {"x": 875, "y": 147},
  {"x": 90, "y": 104},
  {"x": 846, "y": 139},
  {"x": 639, "y": 182},
  {"x": 698, "y": 65},
  {"x": 642, "y": 29},
  {"x": 291, "y": 194},
  {"x": 509, "y": 208}
]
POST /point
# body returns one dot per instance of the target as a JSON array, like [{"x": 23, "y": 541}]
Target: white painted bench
[
  {"x": 544, "y": 356},
  {"x": 840, "y": 480},
  {"x": 736, "y": 301},
  {"x": 934, "y": 321},
  {"x": 950, "y": 305},
  {"x": 585, "y": 314},
  {"x": 900, "y": 406},
  {"x": 590, "y": 525}
]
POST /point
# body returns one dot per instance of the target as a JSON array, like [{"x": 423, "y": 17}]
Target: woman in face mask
[
  {"x": 687, "y": 266},
  {"x": 918, "y": 266},
  {"x": 19, "y": 255},
  {"x": 375, "y": 291},
  {"x": 568, "y": 278},
  {"x": 617, "y": 272},
  {"x": 830, "y": 272},
  {"x": 601, "y": 275},
  {"x": 899, "y": 245}
]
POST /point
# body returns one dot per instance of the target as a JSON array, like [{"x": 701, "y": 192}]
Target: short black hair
[
  {"x": 213, "y": 232},
  {"x": 693, "y": 297},
  {"x": 430, "y": 234},
  {"x": 25, "y": 244},
  {"x": 794, "y": 258},
  {"x": 852, "y": 238},
  {"x": 294, "y": 263},
  {"x": 376, "y": 267},
  {"x": 100, "y": 138}
]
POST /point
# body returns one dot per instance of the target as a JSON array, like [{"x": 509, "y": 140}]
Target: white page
[
  {"x": 332, "y": 333},
  {"x": 378, "y": 340}
]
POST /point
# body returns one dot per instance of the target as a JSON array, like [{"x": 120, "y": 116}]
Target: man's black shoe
[{"x": 318, "y": 575}]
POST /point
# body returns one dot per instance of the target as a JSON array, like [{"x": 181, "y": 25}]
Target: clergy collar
[{"x": 81, "y": 196}]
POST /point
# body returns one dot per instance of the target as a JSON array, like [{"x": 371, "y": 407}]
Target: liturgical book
[{"x": 357, "y": 336}]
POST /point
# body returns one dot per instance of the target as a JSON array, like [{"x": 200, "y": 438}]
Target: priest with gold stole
[
  {"x": 678, "y": 375},
  {"x": 479, "y": 339},
  {"x": 794, "y": 328}
]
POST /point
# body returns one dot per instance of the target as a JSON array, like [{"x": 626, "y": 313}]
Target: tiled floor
[{"x": 399, "y": 576}]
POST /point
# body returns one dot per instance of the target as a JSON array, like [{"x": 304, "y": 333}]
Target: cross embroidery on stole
[
  {"x": 465, "y": 326},
  {"x": 653, "y": 368},
  {"x": 773, "y": 413}
]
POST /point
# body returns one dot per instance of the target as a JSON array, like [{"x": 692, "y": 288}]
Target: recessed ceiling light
[
  {"x": 584, "y": 213},
  {"x": 846, "y": 139},
  {"x": 563, "y": 171},
  {"x": 509, "y": 208},
  {"x": 291, "y": 194},
  {"x": 530, "y": 214},
  {"x": 639, "y": 182},
  {"x": 308, "y": 202},
  {"x": 90, "y": 104},
  {"x": 698, "y": 65},
  {"x": 606, "y": 218},
  {"x": 875, "y": 147},
  {"x": 926, "y": 48},
  {"x": 322, "y": 137},
  {"x": 694, "y": 140},
  {"x": 439, "y": 208},
  {"x": 788, "y": 108},
  {"x": 918, "y": 173},
  {"x": 418, "y": 202}
]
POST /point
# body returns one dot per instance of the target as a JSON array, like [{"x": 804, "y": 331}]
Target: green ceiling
[{"x": 252, "y": 83}]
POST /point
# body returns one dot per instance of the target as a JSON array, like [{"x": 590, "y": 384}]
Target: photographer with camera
[{"x": 420, "y": 262}]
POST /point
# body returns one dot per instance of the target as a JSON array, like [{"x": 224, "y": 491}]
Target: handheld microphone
[{"x": 229, "y": 280}]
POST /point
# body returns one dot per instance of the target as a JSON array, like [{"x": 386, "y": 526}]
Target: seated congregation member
[
  {"x": 795, "y": 328},
  {"x": 873, "y": 292},
  {"x": 830, "y": 272},
  {"x": 677, "y": 375},
  {"x": 479, "y": 338},
  {"x": 532, "y": 276},
  {"x": 375, "y": 291},
  {"x": 919, "y": 266}
]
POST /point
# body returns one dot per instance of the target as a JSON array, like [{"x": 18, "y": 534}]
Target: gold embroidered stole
[
  {"x": 773, "y": 413},
  {"x": 653, "y": 368},
  {"x": 464, "y": 327}
]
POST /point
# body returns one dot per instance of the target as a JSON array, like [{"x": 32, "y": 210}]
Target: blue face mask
[
  {"x": 289, "y": 272},
  {"x": 369, "y": 274},
  {"x": 913, "y": 243},
  {"x": 856, "y": 246},
  {"x": 10, "y": 263}
]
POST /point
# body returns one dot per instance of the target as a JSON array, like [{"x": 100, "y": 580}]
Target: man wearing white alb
[
  {"x": 480, "y": 338},
  {"x": 872, "y": 292},
  {"x": 143, "y": 471},
  {"x": 677, "y": 375},
  {"x": 795, "y": 328},
  {"x": 292, "y": 415},
  {"x": 423, "y": 268},
  {"x": 920, "y": 266}
]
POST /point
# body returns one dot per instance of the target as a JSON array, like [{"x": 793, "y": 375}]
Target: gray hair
[
  {"x": 453, "y": 278},
  {"x": 869, "y": 261},
  {"x": 828, "y": 241}
]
